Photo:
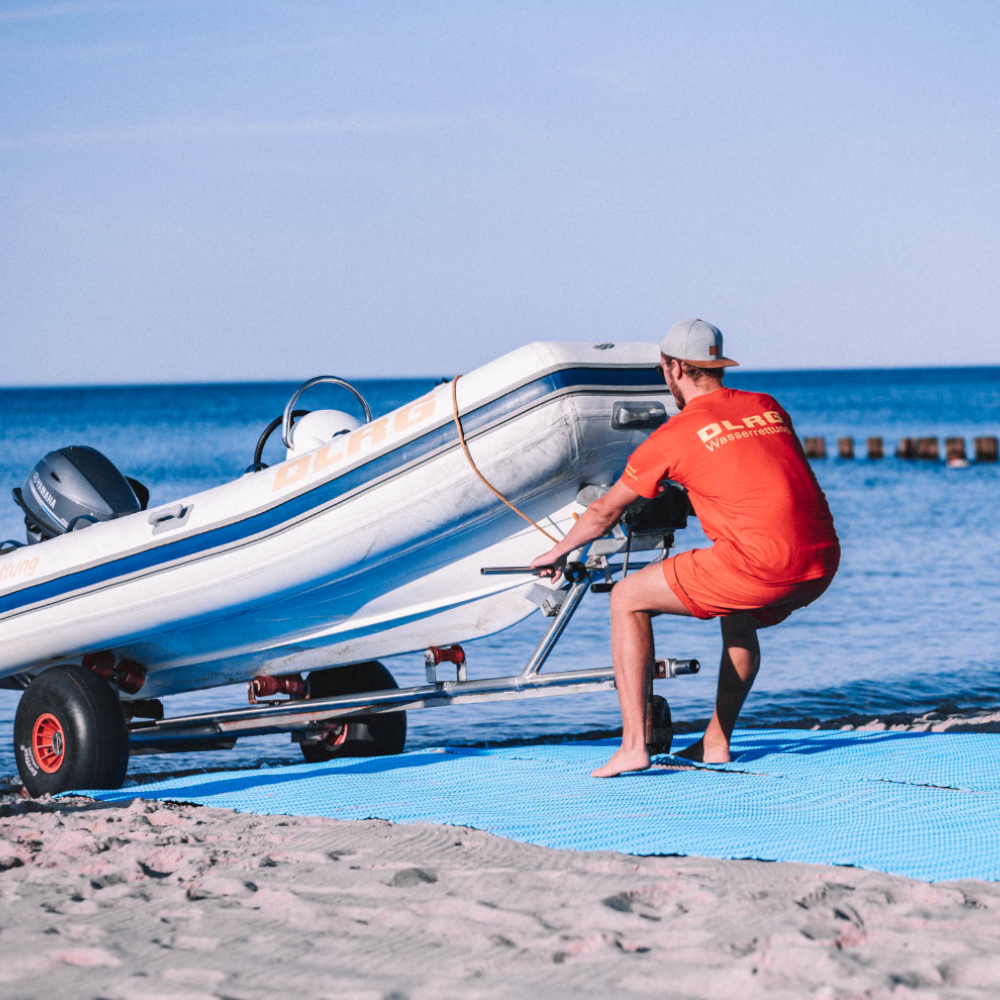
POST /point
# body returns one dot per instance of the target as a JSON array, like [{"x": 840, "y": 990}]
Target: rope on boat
[{"x": 475, "y": 469}]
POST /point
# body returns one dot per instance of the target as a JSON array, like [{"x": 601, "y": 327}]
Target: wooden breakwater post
[
  {"x": 927, "y": 449},
  {"x": 954, "y": 450},
  {"x": 985, "y": 449},
  {"x": 815, "y": 447}
]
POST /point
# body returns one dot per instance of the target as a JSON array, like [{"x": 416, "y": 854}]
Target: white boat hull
[{"x": 367, "y": 547}]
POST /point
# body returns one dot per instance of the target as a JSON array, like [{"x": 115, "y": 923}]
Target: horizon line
[{"x": 438, "y": 379}]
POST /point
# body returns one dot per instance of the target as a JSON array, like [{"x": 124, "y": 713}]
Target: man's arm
[{"x": 592, "y": 523}]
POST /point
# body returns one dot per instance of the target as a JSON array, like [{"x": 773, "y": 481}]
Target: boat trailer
[{"x": 309, "y": 718}]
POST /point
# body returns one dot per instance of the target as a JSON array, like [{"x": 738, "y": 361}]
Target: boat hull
[{"x": 367, "y": 547}]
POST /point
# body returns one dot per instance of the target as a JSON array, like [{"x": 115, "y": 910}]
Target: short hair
[{"x": 695, "y": 373}]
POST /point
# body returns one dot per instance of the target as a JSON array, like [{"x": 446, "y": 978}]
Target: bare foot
[
  {"x": 623, "y": 760},
  {"x": 701, "y": 754}
]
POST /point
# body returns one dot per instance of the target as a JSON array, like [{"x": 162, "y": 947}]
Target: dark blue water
[{"x": 911, "y": 620}]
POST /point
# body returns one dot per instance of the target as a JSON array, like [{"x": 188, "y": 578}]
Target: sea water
[{"x": 911, "y": 620}]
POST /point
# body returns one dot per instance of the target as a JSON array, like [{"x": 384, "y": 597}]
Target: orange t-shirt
[{"x": 750, "y": 485}]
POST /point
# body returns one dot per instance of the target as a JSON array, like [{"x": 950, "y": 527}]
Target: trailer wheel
[
  {"x": 661, "y": 729},
  {"x": 70, "y": 732},
  {"x": 364, "y": 735}
]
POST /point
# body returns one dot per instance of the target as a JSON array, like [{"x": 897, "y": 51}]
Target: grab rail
[{"x": 286, "y": 417}]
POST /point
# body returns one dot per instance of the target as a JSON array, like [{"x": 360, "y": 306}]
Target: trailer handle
[{"x": 573, "y": 571}]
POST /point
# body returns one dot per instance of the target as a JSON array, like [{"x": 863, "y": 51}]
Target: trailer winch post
[{"x": 569, "y": 605}]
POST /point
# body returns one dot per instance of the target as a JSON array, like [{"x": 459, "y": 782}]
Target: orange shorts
[{"x": 711, "y": 588}]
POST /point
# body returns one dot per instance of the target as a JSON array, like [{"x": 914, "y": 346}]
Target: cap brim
[{"x": 713, "y": 363}]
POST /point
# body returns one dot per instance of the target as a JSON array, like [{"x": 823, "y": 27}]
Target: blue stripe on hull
[{"x": 646, "y": 379}]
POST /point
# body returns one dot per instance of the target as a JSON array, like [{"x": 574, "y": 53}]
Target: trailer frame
[{"x": 311, "y": 717}]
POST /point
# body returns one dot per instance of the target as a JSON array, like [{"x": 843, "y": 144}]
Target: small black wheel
[
  {"x": 363, "y": 735},
  {"x": 70, "y": 732},
  {"x": 661, "y": 726}
]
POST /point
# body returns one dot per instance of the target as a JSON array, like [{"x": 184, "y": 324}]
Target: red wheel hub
[
  {"x": 335, "y": 736},
  {"x": 48, "y": 743}
]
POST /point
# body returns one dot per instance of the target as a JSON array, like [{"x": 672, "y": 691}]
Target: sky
[{"x": 214, "y": 190}]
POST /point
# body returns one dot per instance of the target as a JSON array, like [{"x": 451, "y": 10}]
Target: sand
[{"x": 155, "y": 901}]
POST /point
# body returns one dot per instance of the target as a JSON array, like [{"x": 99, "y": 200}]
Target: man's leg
[
  {"x": 632, "y": 601},
  {"x": 739, "y": 666}
]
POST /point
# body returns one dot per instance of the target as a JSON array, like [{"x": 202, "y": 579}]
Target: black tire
[
  {"x": 662, "y": 728},
  {"x": 91, "y": 748},
  {"x": 367, "y": 735}
]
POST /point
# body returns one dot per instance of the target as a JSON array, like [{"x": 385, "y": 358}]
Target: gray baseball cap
[{"x": 697, "y": 342}]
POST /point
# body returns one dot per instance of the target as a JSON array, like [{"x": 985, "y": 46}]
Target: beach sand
[{"x": 155, "y": 901}]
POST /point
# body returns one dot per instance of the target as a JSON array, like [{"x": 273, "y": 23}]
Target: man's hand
[
  {"x": 550, "y": 564},
  {"x": 593, "y": 523}
]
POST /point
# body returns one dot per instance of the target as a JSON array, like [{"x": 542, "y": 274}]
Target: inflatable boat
[{"x": 368, "y": 540}]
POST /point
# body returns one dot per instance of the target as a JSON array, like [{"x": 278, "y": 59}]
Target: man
[{"x": 774, "y": 545}]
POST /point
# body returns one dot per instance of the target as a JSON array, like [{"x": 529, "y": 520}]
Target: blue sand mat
[
  {"x": 946, "y": 760},
  {"x": 922, "y": 805}
]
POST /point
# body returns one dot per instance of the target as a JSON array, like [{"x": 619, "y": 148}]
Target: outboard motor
[{"x": 73, "y": 488}]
